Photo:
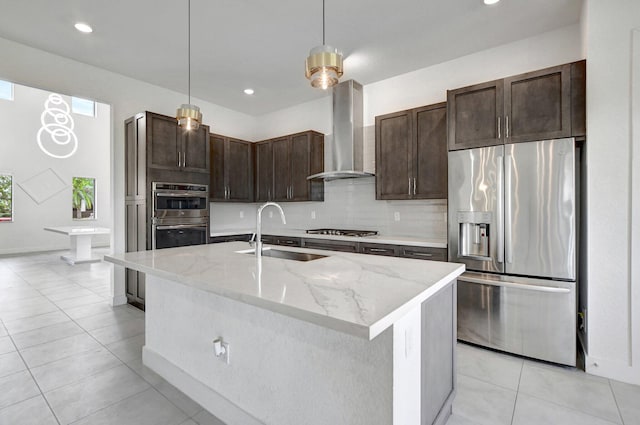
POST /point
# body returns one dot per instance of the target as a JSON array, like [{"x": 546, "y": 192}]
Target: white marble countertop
[
  {"x": 353, "y": 293},
  {"x": 382, "y": 239}
]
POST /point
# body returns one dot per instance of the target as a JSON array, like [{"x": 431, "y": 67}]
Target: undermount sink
[{"x": 287, "y": 255}]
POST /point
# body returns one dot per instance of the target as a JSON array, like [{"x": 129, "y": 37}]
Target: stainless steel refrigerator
[{"x": 513, "y": 223}]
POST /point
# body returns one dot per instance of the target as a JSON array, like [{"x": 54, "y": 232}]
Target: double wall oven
[{"x": 180, "y": 215}]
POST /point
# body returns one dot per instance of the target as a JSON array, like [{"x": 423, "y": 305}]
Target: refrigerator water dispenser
[{"x": 474, "y": 235}]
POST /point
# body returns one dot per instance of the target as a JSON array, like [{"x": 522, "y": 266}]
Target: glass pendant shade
[
  {"x": 324, "y": 66},
  {"x": 189, "y": 116}
]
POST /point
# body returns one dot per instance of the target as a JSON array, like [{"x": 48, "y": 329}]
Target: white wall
[
  {"x": 36, "y": 68},
  {"x": 613, "y": 189},
  {"x": 21, "y": 157}
]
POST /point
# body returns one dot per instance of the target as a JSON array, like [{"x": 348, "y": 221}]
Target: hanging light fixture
[
  {"x": 324, "y": 64},
  {"x": 188, "y": 115}
]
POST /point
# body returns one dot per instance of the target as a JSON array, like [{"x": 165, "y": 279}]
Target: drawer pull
[
  {"x": 379, "y": 250},
  {"x": 420, "y": 254}
]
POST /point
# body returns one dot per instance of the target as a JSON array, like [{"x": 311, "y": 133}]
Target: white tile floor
[{"x": 67, "y": 357}]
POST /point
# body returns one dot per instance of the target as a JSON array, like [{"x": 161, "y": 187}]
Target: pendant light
[
  {"x": 324, "y": 64},
  {"x": 188, "y": 115}
]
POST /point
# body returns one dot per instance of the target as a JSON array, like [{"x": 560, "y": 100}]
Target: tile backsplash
[{"x": 348, "y": 204}]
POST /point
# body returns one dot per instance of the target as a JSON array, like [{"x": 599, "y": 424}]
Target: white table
[{"x": 80, "y": 242}]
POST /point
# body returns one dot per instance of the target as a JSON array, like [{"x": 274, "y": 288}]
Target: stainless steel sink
[{"x": 287, "y": 255}]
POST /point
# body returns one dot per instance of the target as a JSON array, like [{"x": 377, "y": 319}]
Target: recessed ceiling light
[
  {"x": 491, "y": 1},
  {"x": 248, "y": 91},
  {"x": 82, "y": 27}
]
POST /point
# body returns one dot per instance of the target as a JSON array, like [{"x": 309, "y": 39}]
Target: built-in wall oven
[{"x": 180, "y": 215}]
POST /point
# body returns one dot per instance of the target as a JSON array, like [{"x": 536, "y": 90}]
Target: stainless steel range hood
[{"x": 347, "y": 145}]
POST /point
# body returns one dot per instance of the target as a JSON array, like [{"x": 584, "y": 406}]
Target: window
[
  {"x": 6, "y": 198},
  {"x": 83, "y": 198},
  {"x": 83, "y": 107},
  {"x": 6, "y": 90}
]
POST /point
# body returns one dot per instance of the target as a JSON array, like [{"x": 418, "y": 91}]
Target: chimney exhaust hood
[{"x": 347, "y": 145}]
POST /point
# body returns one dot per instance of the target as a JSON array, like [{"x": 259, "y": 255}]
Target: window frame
[
  {"x": 12, "y": 94},
  {"x": 93, "y": 102},
  {"x": 13, "y": 204},
  {"x": 94, "y": 208}
]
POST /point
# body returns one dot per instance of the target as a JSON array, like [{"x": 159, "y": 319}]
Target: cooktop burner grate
[{"x": 342, "y": 232}]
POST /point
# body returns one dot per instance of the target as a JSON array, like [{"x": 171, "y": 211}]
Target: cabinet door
[
  {"x": 299, "y": 156},
  {"x": 430, "y": 152},
  {"x": 264, "y": 171},
  {"x": 239, "y": 171},
  {"x": 217, "y": 184},
  {"x": 394, "y": 137},
  {"x": 281, "y": 178},
  {"x": 195, "y": 149},
  {"x": 136, "y": 160},
  {"x": 579, "y": 99},
  {"x": 538, "y": 105},
  {"x": 474, "y": 115},
  {"x": 162, "y": 141}
]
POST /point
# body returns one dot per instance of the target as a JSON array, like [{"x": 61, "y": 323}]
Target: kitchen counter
[
  {"x": 357, "y": 294},
  {"x": 348, "y": 338},
  {"x": 381, "y": 239}
]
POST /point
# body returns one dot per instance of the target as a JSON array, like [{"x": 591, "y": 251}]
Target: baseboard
[
  {"x": 212, "y": 401},
  {"x": 118, "y": 300}
]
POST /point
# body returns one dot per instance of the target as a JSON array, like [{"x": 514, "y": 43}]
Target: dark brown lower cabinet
[{"x": 331, "y": 245}]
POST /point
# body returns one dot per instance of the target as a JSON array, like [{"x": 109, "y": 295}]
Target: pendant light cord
[
  {"x": 189, "y": 48},
  {"x": 323, "y": 42}
]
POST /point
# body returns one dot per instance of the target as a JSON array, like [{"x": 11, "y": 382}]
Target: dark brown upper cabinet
[
  {"x": 411, "y": 154},
  {"x": 264, "y": 171},
  {"x": 173, "y": 148},
  {"x": 231, "y": 177},
  {"x": 283, "y": 165},
  {"x": 538, "y": 105},
  {"x": 474, "y": 115}
]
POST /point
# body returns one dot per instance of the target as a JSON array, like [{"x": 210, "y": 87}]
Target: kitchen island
[{"x": 342, "y": 339}]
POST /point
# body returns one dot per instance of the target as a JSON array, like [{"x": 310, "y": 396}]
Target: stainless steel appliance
[
  {"x": 342, "y": 232},
  {"x": 180, "y": 214},
  {"x": 513, "y": 223}
]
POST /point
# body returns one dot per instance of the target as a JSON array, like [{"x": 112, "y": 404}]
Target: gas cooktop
[{"x": 342, "y": 232}]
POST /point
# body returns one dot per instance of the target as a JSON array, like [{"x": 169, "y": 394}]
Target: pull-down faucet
[{"x": 259, "y": 225}]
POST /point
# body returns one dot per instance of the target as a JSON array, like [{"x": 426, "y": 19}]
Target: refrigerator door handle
[
  {"x": 507, "y": 210},
  {"x": 537, "y": 288},
  {"x": 500, "y": 215}
]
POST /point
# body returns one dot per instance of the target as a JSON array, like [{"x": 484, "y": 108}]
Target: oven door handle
[
  {"x": 180, "y": 226},
  {"x": 181, "y": 194}
]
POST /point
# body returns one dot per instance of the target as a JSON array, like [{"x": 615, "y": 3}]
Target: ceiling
[{"x": 236, "y": 44}]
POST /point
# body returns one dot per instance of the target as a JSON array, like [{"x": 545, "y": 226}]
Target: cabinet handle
[
  {"x": 378, "y": 250},
  {"x": 291, "y": 192},
  {"x": 506, "y": 126},
  {"x": 409, "y": 185},
  {"x": 420, "y": 254},
  {"x": 499, "y": 135},
  {"x": 179, "y": 158},
  {"x": 184, "y": 159},
  {"x": 414, "y": 185}
]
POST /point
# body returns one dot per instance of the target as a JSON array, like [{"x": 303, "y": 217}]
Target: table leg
[{"x": 80, "y": 250}]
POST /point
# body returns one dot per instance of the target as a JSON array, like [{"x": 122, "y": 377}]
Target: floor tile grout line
[
  {"x": 112, "y": 404},
  {"x": 33, "y": 378},
  {"x": 571, "y": 409},
  {"x": 615, "y": 399},
  {"x": 515, "y": 403}
]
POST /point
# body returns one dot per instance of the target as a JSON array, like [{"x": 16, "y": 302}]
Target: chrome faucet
[{"x": 259, "y": 225}]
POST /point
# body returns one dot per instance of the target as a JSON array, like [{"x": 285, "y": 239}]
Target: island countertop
[{"x": 353, "y": 293}]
